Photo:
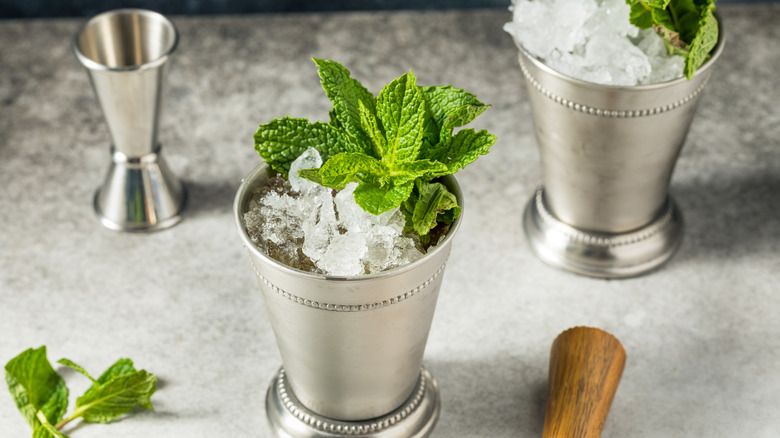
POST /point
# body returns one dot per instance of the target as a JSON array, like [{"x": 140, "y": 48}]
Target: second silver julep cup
[
  {"x": 607, "y": 156},
  {"x": 126, "y": 53},
  {"x": 351, "y": 348}
]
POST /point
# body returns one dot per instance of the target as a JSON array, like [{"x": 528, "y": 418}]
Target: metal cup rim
[
  {"x": 94, "y": 65},
  {"x": 617, "y": 88},
  {"x": 261, "y": 168}
]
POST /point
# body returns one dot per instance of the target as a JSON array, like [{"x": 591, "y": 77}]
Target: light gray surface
[{"x": 702, "y": 334}]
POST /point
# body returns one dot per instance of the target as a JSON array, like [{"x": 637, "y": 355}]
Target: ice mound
[
  {"x": 592, "y": 40},
  {"x": 302, "y": 224}
]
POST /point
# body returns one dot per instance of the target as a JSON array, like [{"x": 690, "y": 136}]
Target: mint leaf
[
  {"x": 45, "y": 429},
  {"x": 640, "y": 16},
  {"x": 345, "y": 168},
  {"x": 402, "y": 173},
  {"x": 116, "y": 394},
  {"x": 688, "y": 27},
  {"x": 376, "y": 199},
  {"x": 70, "y": 364},
  {"x": 459, "y": 117},
  {"x": 346, "y": 94},
  {"x": 433, "y": 200},
  {"x": 369, "y": 124},
  {"x": 466, "y": 146},
  {"x": 443, "y": 101},
  {"x": 401, "y": 110},
  {"x": 703, "y": 43},
  {"x": 281, "y": 141},
  {"x": 35, "y": 386}
]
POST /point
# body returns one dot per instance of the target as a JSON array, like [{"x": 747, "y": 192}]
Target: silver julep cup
[
  {"x": 607, "y": 156},
  {"x": 351, "y": 347},
  {"x": 125, "y": 53}
]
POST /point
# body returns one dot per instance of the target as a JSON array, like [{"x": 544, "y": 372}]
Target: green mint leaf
[
  {"x": 35, "y": 386},
  {"x": 281, "y": 141},
  {"x": 116, "y": 394},
  {"x": 401, "y": 173},
  {"x": 641, "y": 16},
  {"x": 345, "y": 168},
  {"x": 466, "y": 146},
  {"x": 443, "y": 101},
  {"x": 70, "y": 364},
  {"x": 459, "y": 117},
  {"x": 312, "y": 175},
  {"x": 369, "y": 124},
  {"x": 45, "y": 429},
  {"x": 433, "y": 200},
  {"x": 377, "y": 199},
  {"x": 346, "y": 94},
  {"x": 401, "y": 110},
  {"x": 705, "y": 40},
  {"x": 685, "y": 16}
]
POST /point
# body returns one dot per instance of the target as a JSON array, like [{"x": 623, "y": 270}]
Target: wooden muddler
[{"x": 585, "y": 369}]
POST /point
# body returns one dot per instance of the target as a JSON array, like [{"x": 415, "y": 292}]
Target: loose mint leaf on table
[
  {"x": 281, "y": 141},
  {"x": 70, "y": 364},
  {"x": 119, "y": 395},
  {"x": 35, "y": 386},
  {"x": 45, "y": 429}
]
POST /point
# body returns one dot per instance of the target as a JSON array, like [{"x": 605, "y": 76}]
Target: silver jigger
[
  {"x": 607, "y": 155},
  {"x": 125, "y": 53},
  {"x": 351, "y": 347}
]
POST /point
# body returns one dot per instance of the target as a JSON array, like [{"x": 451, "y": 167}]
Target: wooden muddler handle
[{"x": 585, "y": 369}]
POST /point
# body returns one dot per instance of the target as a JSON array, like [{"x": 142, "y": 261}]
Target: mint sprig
[
  {"x": 42, "y": 397},
  {"x": 688, "y": 27},
  {"x": 393, "y": 145}
]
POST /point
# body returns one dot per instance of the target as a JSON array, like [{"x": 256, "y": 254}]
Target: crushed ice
[
  {"x": 592, "y": 40},
  {"x": 332, "y": 232}
]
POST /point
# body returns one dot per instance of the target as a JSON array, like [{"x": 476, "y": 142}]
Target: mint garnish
[
  {"x": 42, "y": 397},
  {"x": 393, "y": 146},
  {"x": 688, "y": 27}
]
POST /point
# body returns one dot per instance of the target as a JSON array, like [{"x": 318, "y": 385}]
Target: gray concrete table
[{"x": 702, "y": 333}]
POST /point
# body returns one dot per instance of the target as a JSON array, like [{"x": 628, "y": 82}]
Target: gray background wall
[{"x": 85, "y": 8}]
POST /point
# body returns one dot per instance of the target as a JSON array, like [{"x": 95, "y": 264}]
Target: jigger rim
[
  {"x": 94, "y": 65},
  {"x": 715, "y": 54},
  {"x": 245, "y": 189}
]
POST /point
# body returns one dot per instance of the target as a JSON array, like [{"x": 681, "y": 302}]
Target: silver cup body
[
  {"x": 351, "y": 348},
  {"x": 608, "y": 152},
  {"x": 126, "y": 53}
]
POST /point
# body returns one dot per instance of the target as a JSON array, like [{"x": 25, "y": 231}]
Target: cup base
[
  {"x": 140, "y": 194},
  {"x": 415, "y": 418},
  {"x": 603, "y": 255}
]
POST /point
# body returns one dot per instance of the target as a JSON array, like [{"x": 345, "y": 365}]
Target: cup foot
[
  {"x": 604, "y": 255},
  {"x": 415, "y": 418},
  {"x": 139, "y": 195}
]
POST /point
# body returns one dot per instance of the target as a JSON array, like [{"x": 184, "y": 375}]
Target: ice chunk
[
  {"x": 303, "y": 225},
  {"x": 591, "y": 40},
  {"x": 309, "y": 159}
]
